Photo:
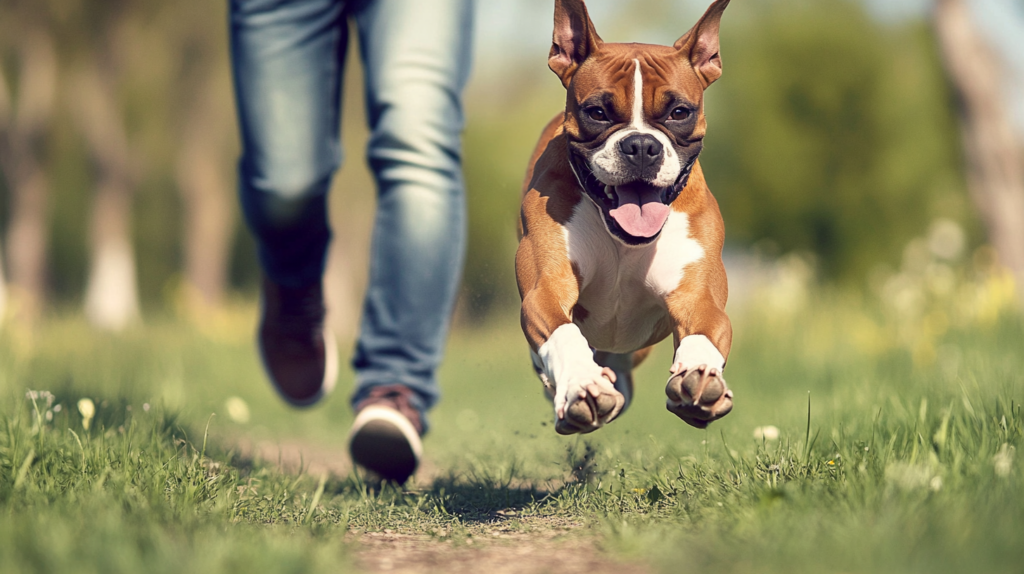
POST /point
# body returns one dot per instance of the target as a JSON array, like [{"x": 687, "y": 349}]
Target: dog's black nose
[{"x": 641, "y": 150}]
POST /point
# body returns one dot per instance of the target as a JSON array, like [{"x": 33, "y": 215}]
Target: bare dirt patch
[
  {"x": 494, "y": 552},
  {"x": 533, "y": 545}
]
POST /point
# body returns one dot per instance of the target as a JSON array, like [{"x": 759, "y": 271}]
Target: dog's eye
[
  {"x": 597, "y": 114},
  {"x": 680, "y": 114}
]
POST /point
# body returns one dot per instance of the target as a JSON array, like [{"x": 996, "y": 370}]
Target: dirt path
[
  {"x": 494, "y": 553},
  {"x": 550, "y": 546}
]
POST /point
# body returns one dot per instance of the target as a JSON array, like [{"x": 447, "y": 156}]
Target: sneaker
[
  {"x": 299, "y": 353},
  {"x": 385, "y": 437}
]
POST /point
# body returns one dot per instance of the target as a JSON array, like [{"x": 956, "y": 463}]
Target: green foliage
[
  {"x": 498, "y": 146},
  {"x": 138, "y": 497},
  {"x": 829, "y": 133},
  {"x": 883, "y": 462},
  {"x": 832, "y": 134}
]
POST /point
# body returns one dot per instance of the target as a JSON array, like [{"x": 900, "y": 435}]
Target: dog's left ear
[{"x": 700, "y": 44}]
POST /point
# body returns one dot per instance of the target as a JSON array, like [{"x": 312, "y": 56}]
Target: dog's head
[{"x": 634, "y": 115}]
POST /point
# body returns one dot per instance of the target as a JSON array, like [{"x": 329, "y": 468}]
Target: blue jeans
[{"x": 288, "y": 58}]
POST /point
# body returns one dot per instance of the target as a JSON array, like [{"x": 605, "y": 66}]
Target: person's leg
[
  {"x": 287, "y": 58},
  {"x": 416, "y": 56}
]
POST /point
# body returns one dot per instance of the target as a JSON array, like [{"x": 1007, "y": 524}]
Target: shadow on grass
[
  {"x": 486, "y": 493},
  {"x": 475, "y": 501}
]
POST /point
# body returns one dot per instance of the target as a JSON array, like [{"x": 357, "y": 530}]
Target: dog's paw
[
  {"x": 585, "y": 404},
  {"x": 698, "y": 395}
]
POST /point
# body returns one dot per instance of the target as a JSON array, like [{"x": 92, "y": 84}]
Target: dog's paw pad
[
  {"x": 698, "y": 396},
  {"x": 592, "y": 407},
  {"x": 605, "y": 403},
  {"x": 580, "y": 412}
]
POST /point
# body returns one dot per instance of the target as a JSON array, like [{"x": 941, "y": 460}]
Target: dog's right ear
[{"x": 574, "y": 39}]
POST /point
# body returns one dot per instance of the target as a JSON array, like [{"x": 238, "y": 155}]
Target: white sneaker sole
[{"x": 384, "y": 442}]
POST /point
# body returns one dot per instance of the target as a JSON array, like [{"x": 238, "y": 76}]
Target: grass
[{"x": 889, "y": 459}]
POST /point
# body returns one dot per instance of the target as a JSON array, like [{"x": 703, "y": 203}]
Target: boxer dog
[{"x": 620, "y": 238}]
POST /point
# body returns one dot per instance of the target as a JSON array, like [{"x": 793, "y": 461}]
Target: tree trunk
[
  {"x": 207, "y": 200},
  {"x": 111, "y": 299},
  {"x": 24, "y": 121},
  {"x": 994, "y": 151},
  {"x": 3, "y": 291}
]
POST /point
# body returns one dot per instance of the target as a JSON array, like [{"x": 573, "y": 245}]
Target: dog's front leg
[
  {"x": 583, "y": 392},
  {"x": 696, "y": 390}
]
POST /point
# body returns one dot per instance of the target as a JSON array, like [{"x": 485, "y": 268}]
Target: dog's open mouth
[
  {"x": 639, "y": 209},
  {"x": 635, "y": 212}
]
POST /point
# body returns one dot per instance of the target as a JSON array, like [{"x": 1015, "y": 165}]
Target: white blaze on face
[{"x": 608, "y": 164}]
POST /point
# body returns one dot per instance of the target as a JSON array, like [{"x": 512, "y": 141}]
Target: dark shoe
[
  {"x": 299, "y": 354},
  {"x": 385, "y": 437}
]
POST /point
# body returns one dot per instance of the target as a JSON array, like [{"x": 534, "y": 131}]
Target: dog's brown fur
[{"x": 549, "y": 283}]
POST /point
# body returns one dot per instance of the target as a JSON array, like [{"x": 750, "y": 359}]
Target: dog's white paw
[
  {"x": 696, "y": 391},
  {"x": 587, "y": 402},
  {"x": 584, "y": 393}
]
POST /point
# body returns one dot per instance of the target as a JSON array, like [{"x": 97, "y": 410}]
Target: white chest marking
[
  {"x": 674, "y": 250},
  {"x": 624, "y": 287}
]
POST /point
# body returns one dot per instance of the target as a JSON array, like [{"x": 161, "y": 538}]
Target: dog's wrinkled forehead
[{"x": 610, "y": 77}]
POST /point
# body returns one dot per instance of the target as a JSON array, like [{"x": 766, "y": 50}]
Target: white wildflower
[
  {"x": 1003, "y": 460},
  {"x": 768, "y": 432},
  {"x": 946, "y": 239},
  {"x": 88, "y": 410},
  {"x": 238, "y": 410},
  {"x": 912, "y": 476}
]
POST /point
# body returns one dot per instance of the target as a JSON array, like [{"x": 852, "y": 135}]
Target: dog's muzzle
[
  {"x": 634, "y": 212},
  {"x": 643, "y": 154}
]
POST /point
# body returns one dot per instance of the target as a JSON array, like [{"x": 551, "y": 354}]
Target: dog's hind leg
[
  {"x": 641, "y": 355},
  {"x": 622, "y": 364}
]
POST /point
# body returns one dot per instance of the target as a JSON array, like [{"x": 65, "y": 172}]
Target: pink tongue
[{"x": 640, "y": 212}]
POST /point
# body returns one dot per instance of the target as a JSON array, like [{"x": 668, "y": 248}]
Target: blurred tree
[
  {"x": 3, "y": 291},
  {"x": 994, "y": 150},
  {"x": 96, "y": 41},
  {"x": 25, "y": 112},
  {"x": 205, "y": 144},
  {"x": 111, "y": 297},
  {"x": 831, "y": 133}
]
